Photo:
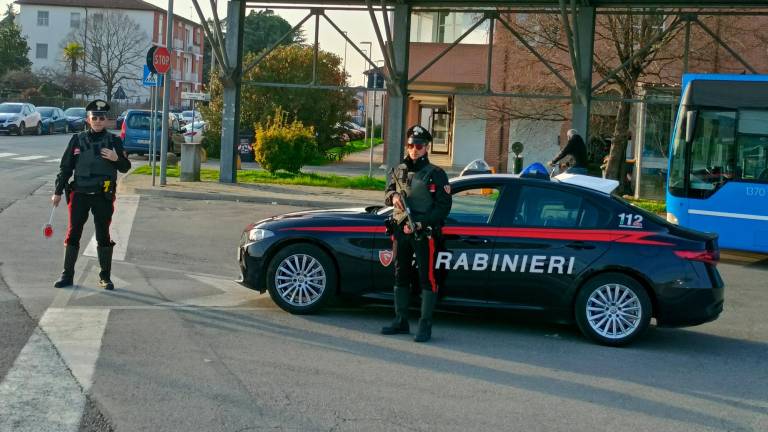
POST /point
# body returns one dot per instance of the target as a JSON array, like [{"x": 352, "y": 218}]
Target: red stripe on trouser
[
  {"x": 394, "y": 248},
  {"x": 432, "y": 264},
  {"x": 69, "y": 223}
]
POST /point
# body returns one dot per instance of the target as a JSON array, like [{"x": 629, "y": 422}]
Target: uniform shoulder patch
[
  {"x": 447, "y": 188},
  {"x": 75, "y": 150}
]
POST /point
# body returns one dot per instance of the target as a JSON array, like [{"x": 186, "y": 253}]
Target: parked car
[
  {"x": 20, "y": 118},
  {"x": 54, "y": 120},
  {"x": 186, "y": 116},
  {"x": 357, "y": 131},
  {"x": 346, "y": 132},
  {"x": 135, "y": 132},
  {"x": 119, "y": 119},
  {"x": 567, "y": 248},
  {"x": 76, "y": 118},
  {"x": 193, "y": 132}
]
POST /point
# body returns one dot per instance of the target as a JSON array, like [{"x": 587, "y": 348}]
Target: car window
[
  {"x": 547, "y": 207},
  {"x": 46, "y": 112},
  {"x": 474, "y": 206},
  {"x": 141, "y": 121},
  {"x": 8, "y": 108}
]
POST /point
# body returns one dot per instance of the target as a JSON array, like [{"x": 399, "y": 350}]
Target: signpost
[
  {"x": 158, "y": 64},
  {"x": 205, "y": 97}
]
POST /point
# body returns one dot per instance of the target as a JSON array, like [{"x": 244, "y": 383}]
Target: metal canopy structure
[{"x": 393, "y": 37}]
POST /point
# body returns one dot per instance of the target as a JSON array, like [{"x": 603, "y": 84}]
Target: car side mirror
[{"x": 690, "y": 125}]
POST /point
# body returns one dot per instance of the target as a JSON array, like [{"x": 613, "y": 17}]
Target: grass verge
[
  {"x": 658, "y": 207},
  {"x": 301, "y": 179}
]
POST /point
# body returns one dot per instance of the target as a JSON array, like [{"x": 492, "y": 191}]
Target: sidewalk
[
  {"x": 356, "y": 164},
  {"x": 273, "y": 194}
]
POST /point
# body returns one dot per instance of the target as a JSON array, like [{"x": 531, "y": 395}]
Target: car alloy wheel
[
  {"x": 39, "y": 129},
  {"x": 613, "y": 309},
  {"x": 22, "y": 126},
  {"x": 300, "y": 278}
]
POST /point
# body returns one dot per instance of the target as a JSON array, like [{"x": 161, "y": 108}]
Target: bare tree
[{"x": 115, "y": 48}]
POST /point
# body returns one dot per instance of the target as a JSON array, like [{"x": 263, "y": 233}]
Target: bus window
[
  {"x": 751, "y": 162},
  {"x": 714, "y": 145}
]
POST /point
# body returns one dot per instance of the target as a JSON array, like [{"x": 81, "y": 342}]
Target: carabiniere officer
[
  {"x": 422, "y": 188},
  {"x": 94, "y": 157}
]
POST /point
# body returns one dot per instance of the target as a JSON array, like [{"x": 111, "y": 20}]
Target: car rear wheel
[
  {"x": 613, "y": 309},
  {"x": 39, "y": 129},
  {"x": 301, "y": 278}
]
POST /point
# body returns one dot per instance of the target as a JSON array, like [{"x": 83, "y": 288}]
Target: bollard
[{"x": 190, "y": 162}]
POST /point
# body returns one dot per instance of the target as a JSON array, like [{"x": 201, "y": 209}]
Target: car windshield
[
  {"x": 10, "y": 108},
  {"x": 142, "y": 121},
  {"x": 45, "y": 112},
  {"x": 189, "y": 114},
  {"x": 75, "y": 112}
]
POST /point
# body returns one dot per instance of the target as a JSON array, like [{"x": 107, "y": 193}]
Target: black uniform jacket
[
  {"x": 69, "y": 159},
  {"x": 439, "y": 189},
  {"x": 576, "y": 148}
]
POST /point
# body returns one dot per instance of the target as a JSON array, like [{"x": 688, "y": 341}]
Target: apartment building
[{"x": 47, "y": 23}]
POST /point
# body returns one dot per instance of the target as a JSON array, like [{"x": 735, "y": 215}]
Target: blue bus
[{"x": 718, "y": 165}]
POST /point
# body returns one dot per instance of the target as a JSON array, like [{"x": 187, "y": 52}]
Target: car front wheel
[
  {"x": 301, "y": 278},
  {"x": 39, "y": 129},
  {"x": 613, "y": 309},
  {"x": 22, "y": 128}
]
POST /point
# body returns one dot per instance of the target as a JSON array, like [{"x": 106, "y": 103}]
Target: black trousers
[
  {"x": 415, "y": 260},
  {"x": 80, "y": 204}
]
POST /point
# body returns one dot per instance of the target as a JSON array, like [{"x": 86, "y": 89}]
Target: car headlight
[
  {"x": 257, "y": 234},
  {"x": 14, "y": 118}
]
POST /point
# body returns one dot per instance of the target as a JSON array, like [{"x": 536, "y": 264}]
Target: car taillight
[
  {"x": 122, "y": 130},
  {"x": 709, "y": 257}
]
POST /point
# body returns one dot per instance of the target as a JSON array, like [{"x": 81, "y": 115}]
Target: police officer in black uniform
[
  {"x": 421, "y": 189},
  {"x": 94, "y": 157}
]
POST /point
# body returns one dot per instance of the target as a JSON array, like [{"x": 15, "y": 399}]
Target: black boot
[
  {"x": 400, "y": 323},
  {"x": 105, "y": 262},
  {"x": 68, "y": 275},
  {"x": 428, "y": 300}
]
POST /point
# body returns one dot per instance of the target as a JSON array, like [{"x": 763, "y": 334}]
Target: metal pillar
[
  {"x": 166, "y": 95},
  {"x": 584, "y": 26},
  {"x": 230, "y": 120},
  {"x": 397, "y": 106}
]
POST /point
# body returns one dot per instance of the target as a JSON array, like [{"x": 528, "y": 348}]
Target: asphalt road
[{"x": 179, "y": 346}]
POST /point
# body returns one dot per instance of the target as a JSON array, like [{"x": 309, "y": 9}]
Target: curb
[{"x": 213, "y": 196}]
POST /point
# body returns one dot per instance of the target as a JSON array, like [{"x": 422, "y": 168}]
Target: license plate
[{"x": 143, "y": 141}]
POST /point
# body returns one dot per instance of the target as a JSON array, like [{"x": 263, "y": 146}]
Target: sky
[{"x": 357, "y": 24}]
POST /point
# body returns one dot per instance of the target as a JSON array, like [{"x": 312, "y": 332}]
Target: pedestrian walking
[
  {"x": 421, "y": 196},
  {"x": 93, "y": 158}
]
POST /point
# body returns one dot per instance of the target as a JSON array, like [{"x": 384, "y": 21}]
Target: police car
[{"x": 566, "y": 247}]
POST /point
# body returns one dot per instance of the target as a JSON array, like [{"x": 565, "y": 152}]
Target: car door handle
[
  {"x": 475, "y": 240},
  {"x": 580, "y": 245}
]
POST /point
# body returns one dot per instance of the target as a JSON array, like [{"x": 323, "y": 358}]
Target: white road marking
[
  {"x": 41, "y": 391},
  {"x": 28, "y": 158},
  {"x": 120, "y": 229},
  {"x": 234, "y": 294},
  {"x": 53, "y": 160},
  {"x": 2, "y": 155}
]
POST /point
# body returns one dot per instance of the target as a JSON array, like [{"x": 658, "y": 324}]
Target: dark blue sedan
[
  {"x": 53, "y": 120},
  {"x": 76, "y": 118}
]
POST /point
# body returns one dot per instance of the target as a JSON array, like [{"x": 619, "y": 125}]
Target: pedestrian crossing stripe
[
  {"x": 7, "y": 154},
  {"x": 28, "y": 158}
]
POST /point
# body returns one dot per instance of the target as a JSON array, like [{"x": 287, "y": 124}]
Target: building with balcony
[{"x": 47, "y": 24}]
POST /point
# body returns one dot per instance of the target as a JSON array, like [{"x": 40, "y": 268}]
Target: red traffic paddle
[{"x": 48, "y": 228}]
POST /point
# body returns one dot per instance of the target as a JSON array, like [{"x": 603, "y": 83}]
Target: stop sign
[{"x": 161, "y": 60}]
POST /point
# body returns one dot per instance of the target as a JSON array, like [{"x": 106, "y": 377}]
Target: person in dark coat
[
  {"x": 94, "y": 158},
  {"x": 421, "y": 189},
  {"x": 575, "y": 148}
]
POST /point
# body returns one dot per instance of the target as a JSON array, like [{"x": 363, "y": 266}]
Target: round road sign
[
  {"x": 150, "y": 54},
  {"x": 161, "y": 59}
]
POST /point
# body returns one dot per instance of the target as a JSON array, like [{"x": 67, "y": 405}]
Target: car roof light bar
[{"x": 605, "y": 186}]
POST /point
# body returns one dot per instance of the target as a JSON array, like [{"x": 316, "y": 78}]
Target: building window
[
  {"x": 160, "y": 28},
  {"x": 96, "y": 54},
  {"x": 74, "y": 20},
  {"x": 98, "y": 20},
  {"x": 41, "y": 51},
  {"x": 42, "y": 18}
]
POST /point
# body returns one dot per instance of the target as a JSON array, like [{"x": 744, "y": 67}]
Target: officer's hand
[
  {"x": 109, "y": 154},
  {"x": 550, "y": 163},
  {"x": 407, "y": 229},
  {"x": 397, "y": 201},
  {"x": 56, "y": 199}
]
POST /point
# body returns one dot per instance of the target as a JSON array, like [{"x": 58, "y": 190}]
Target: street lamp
[
  {"x": 345, "y": 56},
  {"x": 373, "y": 119},
  {"x": 365, "y": 62}
]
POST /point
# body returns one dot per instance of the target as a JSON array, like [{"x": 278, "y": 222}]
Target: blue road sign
[{"x": 150, "y": 79}]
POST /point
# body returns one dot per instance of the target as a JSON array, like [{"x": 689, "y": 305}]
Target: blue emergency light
[{"x": 535, "y": 170}]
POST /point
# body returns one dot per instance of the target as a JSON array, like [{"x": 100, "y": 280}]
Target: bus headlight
[{"x": 672, "y": 218}]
